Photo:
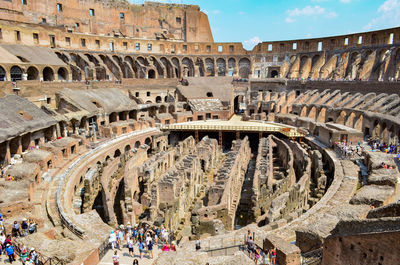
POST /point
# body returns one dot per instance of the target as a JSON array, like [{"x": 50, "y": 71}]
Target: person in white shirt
[
  {"x": 130, "y": 247},
  {"x": 113, "y": 240}
]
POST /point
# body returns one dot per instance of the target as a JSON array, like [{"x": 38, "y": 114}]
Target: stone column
[{"x": 8, "y": 153}]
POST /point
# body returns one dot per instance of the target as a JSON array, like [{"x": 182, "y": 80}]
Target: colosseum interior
[{"x": 132, "y": 113}]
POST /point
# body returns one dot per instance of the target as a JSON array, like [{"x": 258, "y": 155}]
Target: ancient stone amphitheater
[{"x": 114, "y": 113}]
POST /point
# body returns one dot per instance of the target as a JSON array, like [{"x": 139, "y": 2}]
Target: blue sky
[{"x": 253, "y": 21}]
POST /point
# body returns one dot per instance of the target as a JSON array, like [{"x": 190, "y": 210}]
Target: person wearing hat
[
  {"x": 173, "y": 246},
  {"x": 129, "y": 228},
  {"x": 33, "y": 256},
  {"x": 10, "y": 253}
]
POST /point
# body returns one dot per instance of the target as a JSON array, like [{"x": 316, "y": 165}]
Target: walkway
[
  {"x": 124, "y": 258},
  {"x": 235, "y": 124}
]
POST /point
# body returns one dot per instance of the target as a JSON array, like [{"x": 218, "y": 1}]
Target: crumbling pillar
[
  {"x": 220, "y": 138},
  {"x": 238, "y": 136},
  {"x": 196, "y": 136},
  {"x": 8, "y": 153}
]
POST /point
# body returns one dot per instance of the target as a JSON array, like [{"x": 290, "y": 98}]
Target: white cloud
[
  {"x": 241, "y": 13},
  {"x": 388, "y": 15},
  {"x": 332, "y": 14},
  {"x": 290, "y": 20},
  {"x": 306, "y": 11},
  {"x": 249, "y": 44},
  {"x": 213, "y": 12},
  {"x": 309, "y": 11}
]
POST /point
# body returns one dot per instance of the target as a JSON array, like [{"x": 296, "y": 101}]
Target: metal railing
[
  {"x": 312, "y": 258},
  {"x": 234, "y": 128},
  {"x": 41, "y": 259}
]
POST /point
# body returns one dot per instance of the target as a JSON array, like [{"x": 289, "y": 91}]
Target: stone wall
[{"x": 222, "y": 197}]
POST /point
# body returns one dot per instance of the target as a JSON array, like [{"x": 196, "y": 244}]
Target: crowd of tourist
[
  {"x": 10, "y": 249},
  {"x": 142, "y": 237},
  {"x": 257, "y": 254},
  {"x": 347, "y": 149},
  {"x": 376, "y": 145}
]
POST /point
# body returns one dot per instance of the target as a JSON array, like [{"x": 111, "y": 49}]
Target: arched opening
[
  {"x": 100, "y": 205},
  {"x": 210, "y": 94},
  {"x": 137, "y": 144},
  {"x": 358, "y": 123},
  {"x": 148, "y": 143},
  {"x": 2, "y": 74},
  {"x": 16, "y": 73},
  {"x": 62, "y": 74},
  {"x": 162, "y": 109},
  {"x": 119, "y": 198},
  {"x": 313, "y": 113},
  {"x": 231, "y": 67},
  {"x": 33, "y": 73},
  {"x": 274, "y": 73},
  {"x": 244, "y": 68},
  {"x": 133, "y": 114},
  {"x": 322, "y": 115},
  {"x": 152, "y": 74},
  {"x": 188, "y": 67},
  {"x": 340, "y": 119},
  {"x": 127, "y": 148},
  {"x": 210, "y": 67},
  {"x": 221, "y": 66},
  {"x": 236, "y": 104},
  {"x": 158, "y": 99},
  {"x": 117, "y": 153},
  {"x": 48, "y": 74},
  {"x": 171, "y": 109},
  {"x": 113, "y": 117}
]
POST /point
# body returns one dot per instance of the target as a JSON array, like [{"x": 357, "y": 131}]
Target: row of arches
[
  {"x": 91, "y": 66},
  {"x": 381, "y": 64},
  {"x": 382, "y": 129},
  {"x": 17, "y": 73}
]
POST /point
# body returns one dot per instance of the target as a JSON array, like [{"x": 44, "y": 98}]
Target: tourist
[
  {"x": 32, "y": 227},
  {"x": 173, "y": 246},
  {"x": 15, "y": 229},
  {"x": 148, "y": 239},
  {"x": 165, "y": 248},
  {"x": 10, "y": 253},
  {"x": 24, "y": 227},
  {"x": 129, "y": 229},
  {"x": 267, "y": 258},
  {"x": 113, "y": 239},
  {"x": 2, "y": 239},
  {"x": 250, "y": 246},
  {"x": 197, "y": 244},
  {"x": 141, "y": 248},
  {"x": 23, "y": 254},
  {"x": 121, "y": 236},
  {"x": 28, "y": 261},
  {"x": 273, "y": 255},
  {"x": 165, "y": 235},
  {"x": 150, "y": 249},
  {"x": 135, "y": 262},
  {"x": 33, "y": 256},
  {"x": 257, "y": 255},
  {"x": 130, "y": 246},
  {"x": 115, "y": 258}
]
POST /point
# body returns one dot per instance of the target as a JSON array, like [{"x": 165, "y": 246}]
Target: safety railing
[
  {"x": 41, "y": 259},
  {"x": 312, "y": 258}
]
